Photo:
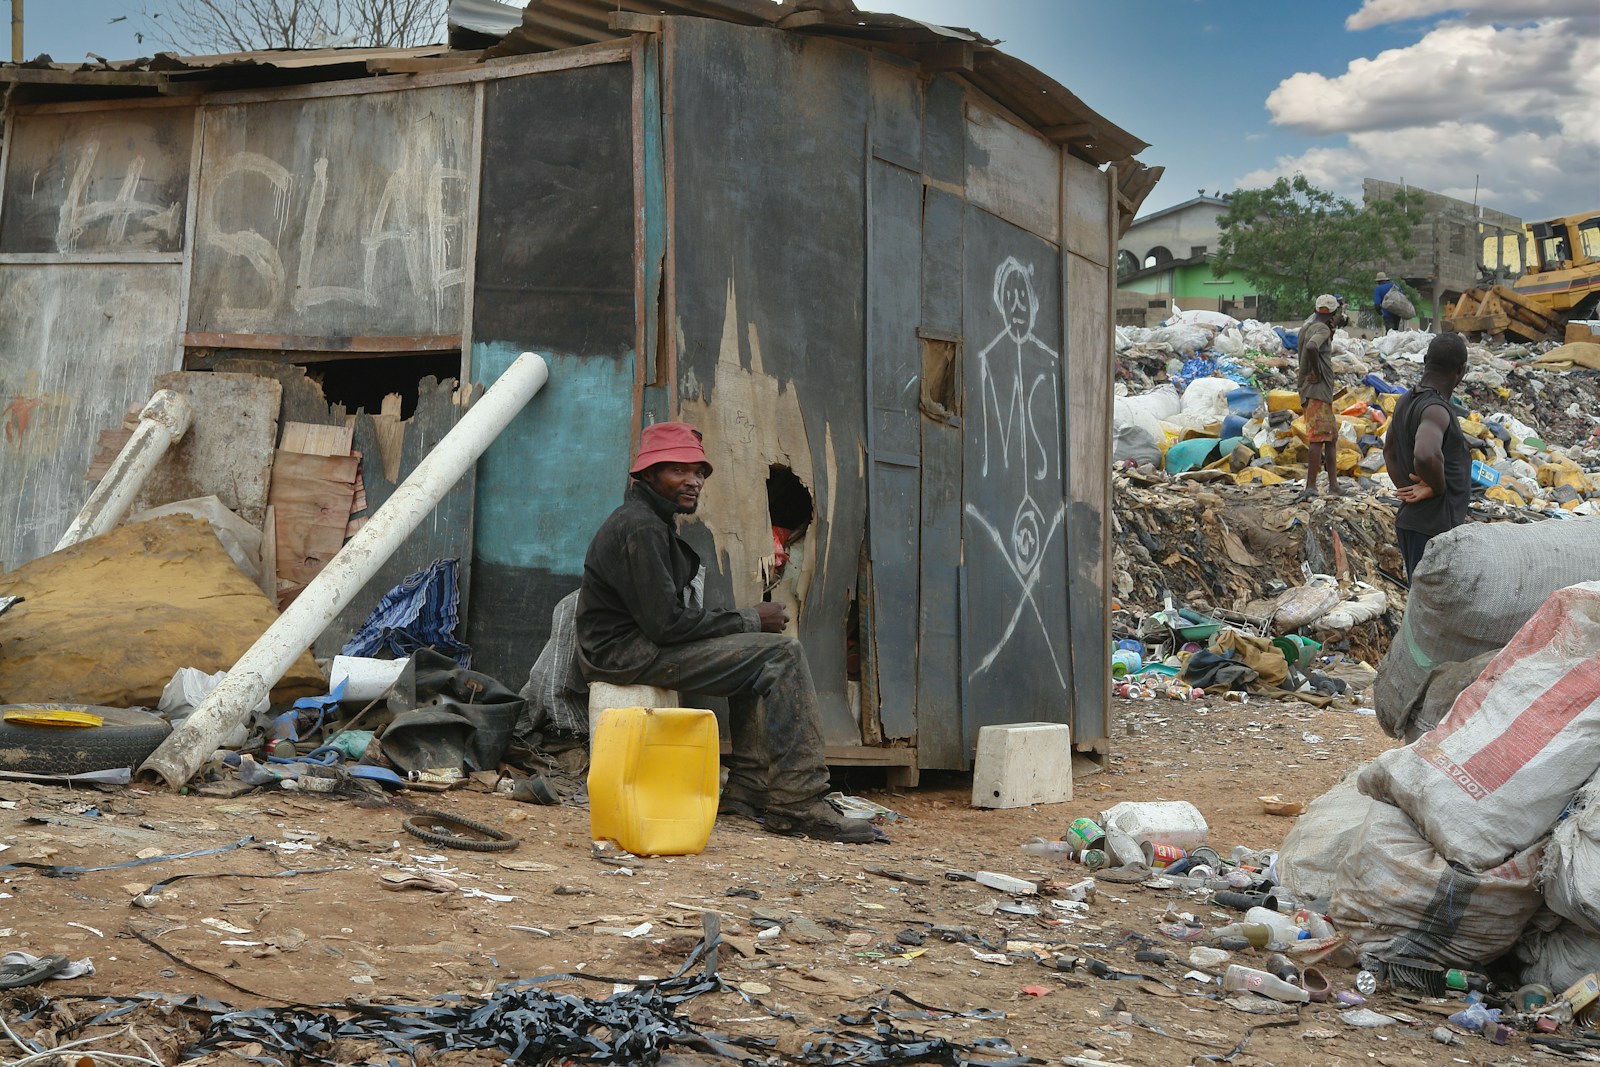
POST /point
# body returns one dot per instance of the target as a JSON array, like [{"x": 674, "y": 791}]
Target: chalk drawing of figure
[{"x": 1019, "y": 386}]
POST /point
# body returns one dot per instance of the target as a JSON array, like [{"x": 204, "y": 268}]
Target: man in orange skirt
[{"x": 1314, "y": 380}]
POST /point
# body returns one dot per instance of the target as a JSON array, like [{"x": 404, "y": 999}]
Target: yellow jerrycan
[{"x": 653, "y": 778}]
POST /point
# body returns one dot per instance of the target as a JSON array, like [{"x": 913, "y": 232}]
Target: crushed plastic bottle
[{"x": 1239, "y": 979}]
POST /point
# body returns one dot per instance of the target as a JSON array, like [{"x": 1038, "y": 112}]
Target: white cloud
[
  {"x": 1517, "y": 106},
  {"x": 1381, "y": 12}
]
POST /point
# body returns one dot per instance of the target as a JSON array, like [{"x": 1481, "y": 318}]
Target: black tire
[
  {"x": 492, "y": 841},
  {"x": 125, "y": 739}
]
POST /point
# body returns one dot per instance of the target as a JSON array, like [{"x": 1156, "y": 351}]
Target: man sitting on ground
[{"x": 640, "y": 622}]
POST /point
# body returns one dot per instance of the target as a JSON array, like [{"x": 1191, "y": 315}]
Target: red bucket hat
[{"x": 669, "y": 442}]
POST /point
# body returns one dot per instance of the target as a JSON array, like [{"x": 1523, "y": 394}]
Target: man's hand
[
  {"x": 1415, "y": 494},
  {"x": 774, "y": 617}
]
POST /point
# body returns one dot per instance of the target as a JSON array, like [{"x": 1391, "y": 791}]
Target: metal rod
[
  {"x": 162, "y": 423},
  {"x": 253, "y": 677}
]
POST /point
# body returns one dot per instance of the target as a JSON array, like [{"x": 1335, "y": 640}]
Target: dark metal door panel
[
  {"x": 1015, "y": 646},
  {"x": 894, "y": 387}
]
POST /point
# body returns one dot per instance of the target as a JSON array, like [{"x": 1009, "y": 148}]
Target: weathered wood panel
[
  {"x": 770, "y": 257},
  {"x": 1014, "y": 632},
  {"x": 555, "y": 273},
  {"x": 1088, "y": 207},
  {"x": 311, "y": 498},
  {"x": 334, "y": 218},
  {"x": 228, "y": 449},
  {"x": 111, "y": 182},
  {"x": 78, "y": 346},
  {"x": 944, "y": 131},
  {"x": 896, "y": 113},
  {"x": 894, "y": 394},
  {"x": 1089, "y": 468},
  {"x": 1013, "y": 172}
]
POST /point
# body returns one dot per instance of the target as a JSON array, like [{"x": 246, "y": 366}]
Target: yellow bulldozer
[{"x": 1561, "y": 283}]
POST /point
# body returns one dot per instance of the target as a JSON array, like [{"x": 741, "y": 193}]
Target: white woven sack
[
  {"x": 1476, "y": 587},
  {"x": 1396, "y": 896},
  {"x": 1399, "y": 304},
  {"x": 1555, "y": 953},
  {"x": 1320, "y": 840},
  {"x": 1496, "y": 773},
  {"x": 1571, "y": 874}
]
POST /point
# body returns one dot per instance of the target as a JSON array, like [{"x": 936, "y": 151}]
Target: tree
[
  {"x": 1293, "y": 242},
  {"x": 199, "y": 27}
]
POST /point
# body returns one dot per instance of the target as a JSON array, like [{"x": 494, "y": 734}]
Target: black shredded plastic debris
[{"x": 530, "y": 1024}]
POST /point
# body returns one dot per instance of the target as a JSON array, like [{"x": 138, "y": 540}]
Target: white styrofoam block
[
  {"x": 603, "y": 695},
  {"x": 1025, "y": 763}
]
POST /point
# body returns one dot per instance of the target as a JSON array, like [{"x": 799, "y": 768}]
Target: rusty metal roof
[
  {"x": 548, "y": 25},
  {"x": 1030, "y": 94}
]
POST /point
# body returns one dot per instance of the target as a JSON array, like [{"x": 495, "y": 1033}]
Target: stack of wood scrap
[{"x": 316, "y": 487}]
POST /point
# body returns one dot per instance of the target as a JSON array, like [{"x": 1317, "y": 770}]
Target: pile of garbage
[
  {"x": 1209, "y": 449},
  {"x": 1205, "y": 392},
  {"x": 1302, "y": 935}
]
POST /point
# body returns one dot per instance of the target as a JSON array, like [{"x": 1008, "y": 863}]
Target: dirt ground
[{"x": 335, "y": 933}]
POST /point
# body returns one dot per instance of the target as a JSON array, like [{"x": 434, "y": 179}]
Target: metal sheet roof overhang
[{"x": 1033, "y": 96}]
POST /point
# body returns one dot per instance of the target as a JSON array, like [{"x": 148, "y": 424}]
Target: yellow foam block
[
  {"x": 1258, "y": 476},
  {"x": 53, "y": 717}
]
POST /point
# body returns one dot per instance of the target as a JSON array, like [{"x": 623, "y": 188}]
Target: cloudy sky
[{"x": 1502, "y": 95}]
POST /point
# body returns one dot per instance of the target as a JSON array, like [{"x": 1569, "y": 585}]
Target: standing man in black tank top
[{"x": 1425, "y": 453}]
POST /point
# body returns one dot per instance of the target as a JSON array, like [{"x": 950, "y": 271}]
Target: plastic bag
[
  {"x": 1305, "y": 604},
  {"x": 1396, "y": 303}
]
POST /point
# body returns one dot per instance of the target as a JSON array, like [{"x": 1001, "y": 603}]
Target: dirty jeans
[{"x": 776, "y": 731}]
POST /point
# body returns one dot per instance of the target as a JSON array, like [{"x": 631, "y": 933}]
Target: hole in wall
[
  {"x": 789, "y": 510},
  {"x": 361, "y": 383}
]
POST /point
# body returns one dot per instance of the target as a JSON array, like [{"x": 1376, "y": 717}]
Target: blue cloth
[
  {"x": 1382, "y": 386},
  {"x": 421, "y": 612},
  {"x": 1379, "y": 293},
  {"x": 1290, "y": 338}
]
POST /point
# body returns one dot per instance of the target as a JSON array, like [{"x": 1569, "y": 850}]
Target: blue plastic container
[
  {"x": 1484, "y": 475},
  {"x": 1243, "y": 401},
  {"x": 1233, "y": 426}
]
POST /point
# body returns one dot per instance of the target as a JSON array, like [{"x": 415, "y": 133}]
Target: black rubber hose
[{"x": 492, "y": 841}]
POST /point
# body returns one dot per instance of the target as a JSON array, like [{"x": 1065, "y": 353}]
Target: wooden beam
[
  {"x": 951, "y": 55},
  {"x": 105, "y": 78},
  {"x": 1074, "y": 132},
  {"x": 632, "y": 22},
  {"x": 449, "y": 342},
  {"x": 420, "y": 65}
]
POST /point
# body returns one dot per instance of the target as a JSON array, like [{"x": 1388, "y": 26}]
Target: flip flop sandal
[
  {"x": 15, "y": 975},
  {"x": 437, "y": 828}
]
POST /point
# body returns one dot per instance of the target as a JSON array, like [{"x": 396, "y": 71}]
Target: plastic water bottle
[
  {"x": 1065, "y": 852},
  {"x": 1283, "y": 927},
  {"x": 1239, "y": 979}
]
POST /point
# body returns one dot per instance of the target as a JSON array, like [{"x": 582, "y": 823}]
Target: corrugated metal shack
[{"x": 871, "y": 258}]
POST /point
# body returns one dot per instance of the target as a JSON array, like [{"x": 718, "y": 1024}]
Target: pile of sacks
[{"x": 1477, "y": 845}]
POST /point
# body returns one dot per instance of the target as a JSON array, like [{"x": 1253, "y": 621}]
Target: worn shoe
[
  {"x": 817, "y": 820},
  {"x": 741, "y": 805}
]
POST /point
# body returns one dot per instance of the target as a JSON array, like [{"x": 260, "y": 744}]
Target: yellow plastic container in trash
[
  {"x": 1283, "y": 400},
  {"x": 653, "y": 776}
]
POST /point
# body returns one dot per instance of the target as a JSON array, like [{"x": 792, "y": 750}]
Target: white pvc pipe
[
  {"x": 253, "y": 677},
  {"x": 162, "y": 423}
]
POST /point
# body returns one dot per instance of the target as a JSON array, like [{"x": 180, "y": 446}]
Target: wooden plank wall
[{"x": 334, "y": 217}]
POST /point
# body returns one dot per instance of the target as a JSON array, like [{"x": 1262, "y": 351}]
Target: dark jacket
[{"x": 632, "y": 600}]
